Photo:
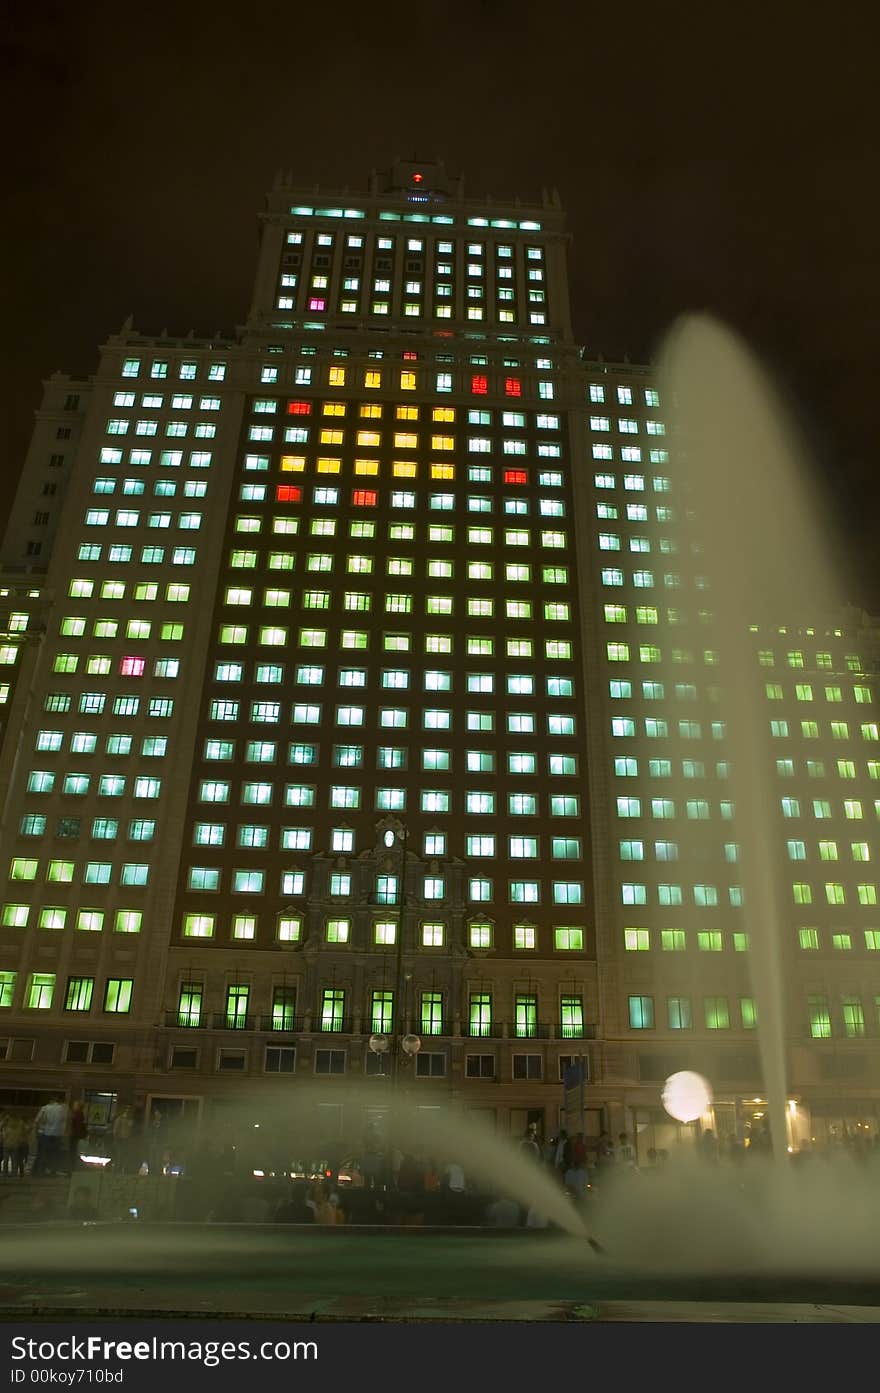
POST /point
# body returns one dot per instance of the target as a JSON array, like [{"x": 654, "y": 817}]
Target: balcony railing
[{"x": 282, "y": 1023}]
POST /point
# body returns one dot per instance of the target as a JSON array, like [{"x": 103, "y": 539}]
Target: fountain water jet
[{"x": 765, "y": 557}]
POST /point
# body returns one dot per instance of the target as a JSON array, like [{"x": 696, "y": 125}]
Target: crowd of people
[
  {"x": 234, "y": 1180},
  {"x": 50, "y": 1140}
]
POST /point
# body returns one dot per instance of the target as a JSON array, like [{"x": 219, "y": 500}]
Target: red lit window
[
  {"x": 299, "y": 408},
  {"x": 409, "y": 356},
  {"x": 512, "y": 387},
  {"x": 288, "y": 493},
  {"x": 132, "y": 667},
  {"x": 364, "y": 498},
  {"x": 479, "y": 385},
  {"x": 516, "y": 476},
  {"x": 317, "y": 303}
]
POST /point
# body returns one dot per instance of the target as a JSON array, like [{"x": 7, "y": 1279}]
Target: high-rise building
[{"x": 324, "y": 737}]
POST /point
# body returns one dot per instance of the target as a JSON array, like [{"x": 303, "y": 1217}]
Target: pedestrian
[
  {"x": 77, "y": 1131},
  {"x": 51, "y": 1125},
  {"x": 453, "y": 1178},
  {"x": 576, "y": 1171},
  {"x": 18, "y": 1144},
  {"x": 123, "y": 1126},
  {"x": 529, "y": 1147},
  {"x": 709, "y": 1146},
  {"x": 624, "y": 1151},
  {"x": 561, "y": 1152},
  {"x": 503, "y": 1213}
]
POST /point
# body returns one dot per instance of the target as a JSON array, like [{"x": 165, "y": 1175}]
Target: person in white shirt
[{"x": 51, "y": 1125}]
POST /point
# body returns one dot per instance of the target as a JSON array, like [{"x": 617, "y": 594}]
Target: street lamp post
[{"x": 397, "y": 1041}]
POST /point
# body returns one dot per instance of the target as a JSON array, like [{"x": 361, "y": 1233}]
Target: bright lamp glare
[{"x": 686, "y": 1096}]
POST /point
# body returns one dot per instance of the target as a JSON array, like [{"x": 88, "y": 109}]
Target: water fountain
[{"x": 740, "y": 466}]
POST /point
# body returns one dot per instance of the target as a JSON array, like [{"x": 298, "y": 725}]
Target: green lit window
[
  {"x": 819, "y": 1017},
  {"x": 673, "y": 940},
  {"x": 571, "y": 1017},
  {"x": 431, "y": 1013},
  {"x": 237, "y": 996},
  {"x": 332, "y": 1008},
  {"x": 709, "y": 941},
  {"x": 283, "y": 1007},
  {"x": 189, "y": 1004},
  {"x": 636, "y": 940},
  {"x": 382, "y": 1012},
  {"x": 40, "y": 990},
  {"x": 480, "y": 1013},
  {"x": 78, "y": 996},
  {"x": 117, "y": 995},
  {"x": 716, "y": 1012},
  {"x": 678, "y": 1013},
  {"x": 641, "y": 1012},
  {"x": 748, "y": 1013},
  {"x": 198, "y": 925},
  {"x": 526, "y": 1015},
  {"x": 568, "y": 939}
]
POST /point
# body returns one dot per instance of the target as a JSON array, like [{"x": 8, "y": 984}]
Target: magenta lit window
[
  {"x": 317, "y": 303},
  {"x": 132, "y": 667}
]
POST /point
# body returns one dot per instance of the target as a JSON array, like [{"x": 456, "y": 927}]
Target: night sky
[{"x": 708, "y": 158}]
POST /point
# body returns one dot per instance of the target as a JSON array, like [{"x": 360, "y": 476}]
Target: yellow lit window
[
  {"x": 329, "y": 466},
  {"x": 442, "y": 442},
  {"x": 336, "y": 377},
  {"x": 405, "y": 440},
  {"x": 332, "y": 437},
  {"x": 333, "y": 408},
  {"x": 372, "y": 378},
  {"x": 371, "y": 411},
  {"x": 366, "y": 466},
  {"x": 442, "y": 471},
  {"x": 407, "y": 413},
  {"x": 407, "y": 382},
  {"x": 369, "y": 437},
  {"x": 404, "y": 469},
  {"x": 443, "y": 413},
  {"x": 293, "y": 464}
]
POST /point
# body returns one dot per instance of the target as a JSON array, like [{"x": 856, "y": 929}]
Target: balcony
[{"x": 281, "y": 1023}]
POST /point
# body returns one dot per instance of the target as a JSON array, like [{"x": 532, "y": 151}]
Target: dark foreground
[{"x": 396, "y": 1274}]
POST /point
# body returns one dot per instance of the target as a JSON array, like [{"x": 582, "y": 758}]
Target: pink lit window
[
  {"x": 132, "y": 667},
  {"x": 409, "y": 356},
  {"x": 479, "y": 385},
  {"x": 316, "y": 302},
  {"x": 299, "y": 408},
  {"x": 512, "y": 387}
]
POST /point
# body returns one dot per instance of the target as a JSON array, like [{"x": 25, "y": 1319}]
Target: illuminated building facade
[{"x": 363, "y": 654}]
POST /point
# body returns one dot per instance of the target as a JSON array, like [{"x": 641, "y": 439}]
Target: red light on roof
[{"x": 417, "y": 178}]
